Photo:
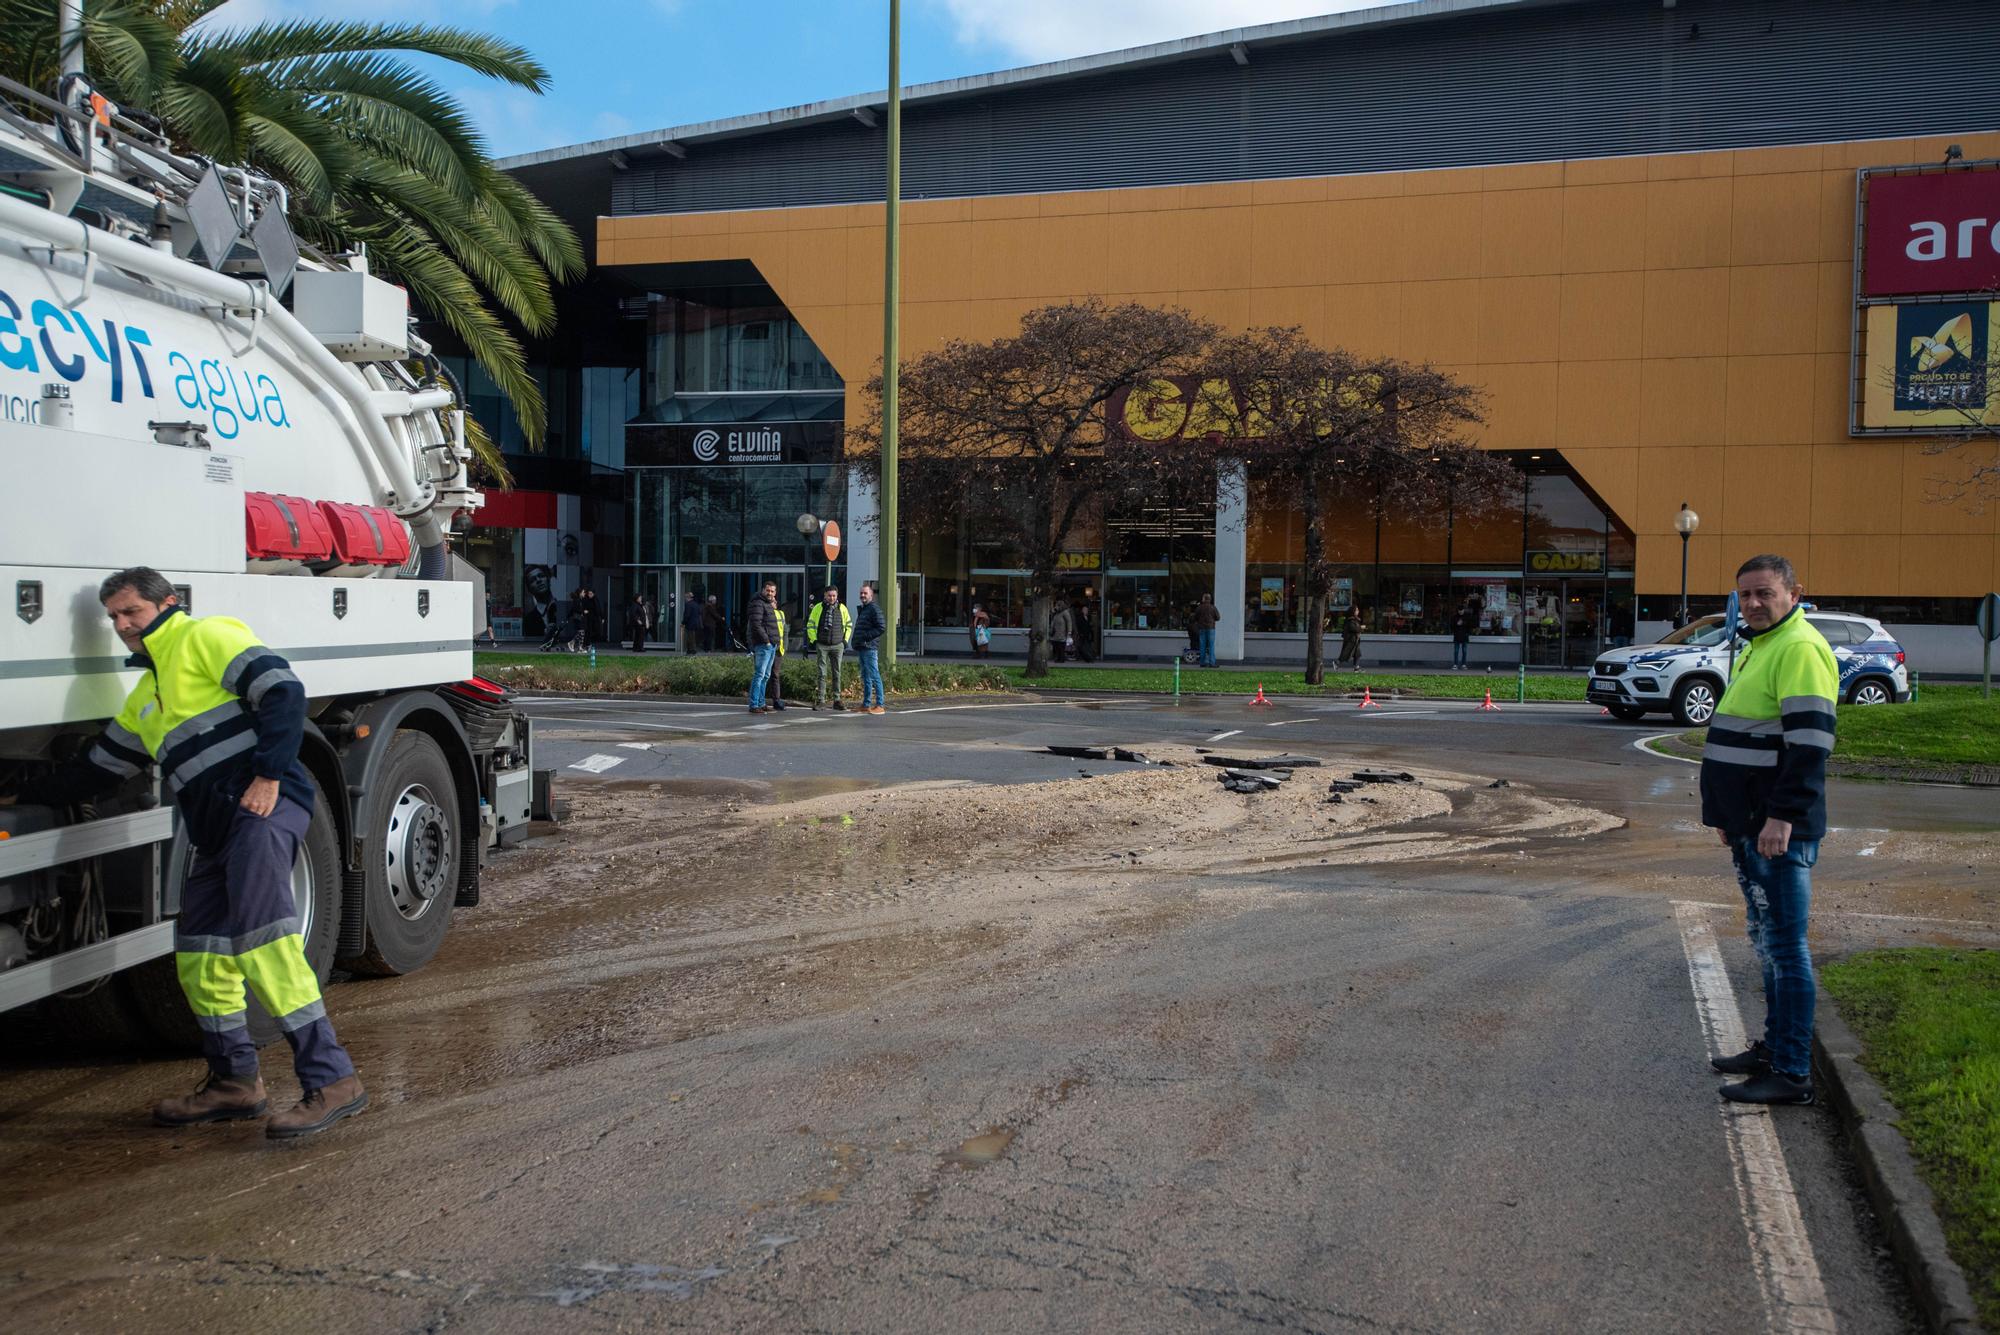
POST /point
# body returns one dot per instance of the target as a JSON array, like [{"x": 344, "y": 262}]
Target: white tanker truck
[{"x": 182, "y": 387}]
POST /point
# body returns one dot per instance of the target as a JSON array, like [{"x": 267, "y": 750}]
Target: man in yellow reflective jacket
[
  {"x": 222, "y": 716},
  {"x": 1763, "y": 788}
]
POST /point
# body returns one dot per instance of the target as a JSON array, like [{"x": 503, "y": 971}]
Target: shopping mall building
[{"x": 1684, "y": 247}]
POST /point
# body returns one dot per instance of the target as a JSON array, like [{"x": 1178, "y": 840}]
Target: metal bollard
[
  {"x": 1177, "y": 678},
  {"x": 1521, "y": 684},
  {"x": 593, "y": 658},
  {"x": 1914, "y": 692}
]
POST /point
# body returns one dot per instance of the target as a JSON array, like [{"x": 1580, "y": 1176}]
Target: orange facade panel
[{"x": 1679, "y": 326}]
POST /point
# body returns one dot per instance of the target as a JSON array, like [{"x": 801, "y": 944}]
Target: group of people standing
[{"x": 831, "y": 627}]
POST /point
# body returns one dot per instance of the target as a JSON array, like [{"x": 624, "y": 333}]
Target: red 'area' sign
[{"x": 1935, "y": 232}]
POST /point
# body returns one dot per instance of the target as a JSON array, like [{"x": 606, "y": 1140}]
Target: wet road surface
[{"x": 683, "y": 1067}]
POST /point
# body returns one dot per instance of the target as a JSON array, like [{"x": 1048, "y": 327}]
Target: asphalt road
[{"x": 723, "y": 1090}]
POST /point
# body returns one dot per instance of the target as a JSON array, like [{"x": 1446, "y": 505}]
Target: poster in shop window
[
  {"x": 1342, "y": 596},
  {"x": 1271, "y": 595},
  {"x": 1412, "y": 604}
]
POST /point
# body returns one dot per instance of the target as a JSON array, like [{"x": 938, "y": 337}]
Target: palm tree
[{"x": 371, "y": 150}]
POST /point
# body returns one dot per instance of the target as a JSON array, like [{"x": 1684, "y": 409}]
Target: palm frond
[
  {"x": 533, "y": 223},
  {"x": 276, "y": 43}
]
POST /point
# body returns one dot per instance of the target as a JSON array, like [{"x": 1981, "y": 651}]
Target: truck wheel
[
  {"x": 1870, "y": 691},
  {"x": 1694, "y": 702},
  {"x": 154, "y": 988},
  {"x": 411, "y": 837},
  {"x": 1626, "y": 712}
]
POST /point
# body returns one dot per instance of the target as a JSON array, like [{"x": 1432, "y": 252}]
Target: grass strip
[
  {"x": 1216, "y": 681},
  {"x": 724, "y": 675},
  {"x": 1947, "y": 725},
  {"x": 1929, "y": 1020}
]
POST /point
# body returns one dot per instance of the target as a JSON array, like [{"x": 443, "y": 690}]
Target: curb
[{"x": 1889, "y": 1172}]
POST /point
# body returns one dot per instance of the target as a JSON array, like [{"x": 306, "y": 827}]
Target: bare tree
[
  {"x": 1011, "y": 434},
  {"x": 1961, "y": 359},
  {"x": 1327, "y": 425}
]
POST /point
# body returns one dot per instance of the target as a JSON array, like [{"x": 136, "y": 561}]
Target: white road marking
[
  {"x": 636, "y": 746},
  {"x": 1220, "y": 735},
  {"x": 597, "y": 764},
  {"x": 1283, "y": 721},
  {"x": 1780, "y": 1250},
  {"x": 1400, "y": 713},
  {"x": 761, "y": 727},
  {"x": 1645, "y": 744},
  {"x": 615, "y": 723}
]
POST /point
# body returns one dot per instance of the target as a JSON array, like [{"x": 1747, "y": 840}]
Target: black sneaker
[
  {"x": 1770, "y": 1087},
  {"x": 1754, "y": 1060},
  {"x": 840, "y": 706}
]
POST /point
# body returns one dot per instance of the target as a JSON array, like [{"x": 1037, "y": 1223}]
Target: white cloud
[{"x": 1038, "y": 30}]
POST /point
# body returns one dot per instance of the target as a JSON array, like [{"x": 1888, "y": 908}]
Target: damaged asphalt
[{"x": 873, "y": 1024}]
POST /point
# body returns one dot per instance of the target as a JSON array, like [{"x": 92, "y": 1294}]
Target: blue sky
[{"x": 622, "y": 66}]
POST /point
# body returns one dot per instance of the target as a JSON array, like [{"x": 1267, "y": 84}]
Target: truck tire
[
  {"x": 411, "y": 839},
  {"x": 154, "y": 988},
  {"x": 1694, "y": 702}
]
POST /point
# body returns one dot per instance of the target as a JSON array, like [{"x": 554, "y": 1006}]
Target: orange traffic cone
[
  {"x": 1259, "y": 699},
  {"x": 1605, "y": 710},
  {"x": 1367, "y": 700},
  {"x": 1489, "y": 701}
]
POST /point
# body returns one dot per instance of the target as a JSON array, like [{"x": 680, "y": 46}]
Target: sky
[{"x": 624, "y": 66}]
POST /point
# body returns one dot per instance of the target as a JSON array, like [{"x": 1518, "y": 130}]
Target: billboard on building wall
[
  {"x": 1930, "y": 366},
  {"x": 1931, "y": 232},
  {"x": 1927, "y": 296}
]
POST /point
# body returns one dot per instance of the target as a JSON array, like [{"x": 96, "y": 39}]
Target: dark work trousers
[{"x": 239, "y": 924}]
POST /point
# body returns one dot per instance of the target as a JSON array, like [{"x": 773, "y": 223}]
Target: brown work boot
[
  {"x": 215, "y": 1099},
  {"x": 319, "y": 1109}
]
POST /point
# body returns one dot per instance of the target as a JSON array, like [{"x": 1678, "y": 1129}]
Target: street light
[
  {"x": 810, "y": 526},
  {"x": 1687, "y": 521}
]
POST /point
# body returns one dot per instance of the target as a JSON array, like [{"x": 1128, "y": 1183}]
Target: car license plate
[{"x": 1603, "y": 683}]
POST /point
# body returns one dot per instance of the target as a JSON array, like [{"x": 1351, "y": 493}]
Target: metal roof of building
[{"x": 1289, "y": 30}]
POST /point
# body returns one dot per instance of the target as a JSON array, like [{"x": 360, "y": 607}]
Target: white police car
[{"x": 1685, "y": 673}]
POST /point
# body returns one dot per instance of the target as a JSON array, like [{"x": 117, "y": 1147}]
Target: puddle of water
[{"x": 981, "y": 1150}]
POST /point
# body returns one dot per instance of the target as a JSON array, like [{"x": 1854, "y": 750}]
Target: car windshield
[{"x": 1708, "y": 630}]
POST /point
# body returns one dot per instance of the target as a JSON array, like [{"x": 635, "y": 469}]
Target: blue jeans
[
  {"x": 1458, "y": 652},
  {"x": 1777, "y": 894},
  {"x": 761, "y": 658},
  {"x": 871, "y": 676},
  {"x": 1208, "y": 647}
]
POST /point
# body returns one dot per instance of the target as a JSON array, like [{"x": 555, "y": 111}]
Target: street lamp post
[
  {"x": 888, "y": 589},
  {"x": 1687, "y": 521}
]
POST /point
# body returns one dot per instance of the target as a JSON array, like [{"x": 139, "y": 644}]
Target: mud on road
[{"x": 1121, "y": 1051}]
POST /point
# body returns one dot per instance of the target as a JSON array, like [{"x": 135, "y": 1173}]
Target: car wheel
[
  {"x": 1626, "y": 712},
  {"x": 1694, "y": 702},
  {"x": 1870, "y": 691}
]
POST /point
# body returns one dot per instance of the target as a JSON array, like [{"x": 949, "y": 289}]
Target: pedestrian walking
[
  {"x": 487, "y": 632},
  {"x": 714, "y": 625},
  {"x": 981, "y": 630},
  {"x": 1350, "y": 642},
  {"x": 584, "y": 607},
  {"x": 760, "y": 625},
  {"x": 1763, "y": 789},
  {"x": 691, "y": 633},
  {"x": 245, "y": 804},
  {"x": 1463, "y": 623},
  {"x": 869, "y": 627},
  {"x": 637, "y": 623},
  {"x": 1086, "y": 633},
  {"x": 827, "y": 627},
  {"x": 775, "y": 697},
  {"x": 1062, "y": 630},
  {"x": 1206, "y": 616}
]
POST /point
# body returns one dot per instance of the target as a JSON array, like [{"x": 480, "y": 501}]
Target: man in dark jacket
[
  {"x": 869, "y": 626},
  {"x": 691, "y": 625},
  {"x": 222, "y": 716},
  {"x": 760, "y": 627},
  {"x": 1206, "y": 616},
  {"x": 1463, "y": 623},
  {"x": 1763, "y": 789}
]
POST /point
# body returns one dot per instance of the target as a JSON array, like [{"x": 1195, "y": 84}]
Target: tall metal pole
[
  {"x": 889, "y": 592},
  {"x": 1684, "y": 578}
]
